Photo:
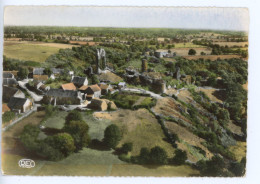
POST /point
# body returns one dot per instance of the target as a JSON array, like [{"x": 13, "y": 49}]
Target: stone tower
[{"x": 101, "y": 60}]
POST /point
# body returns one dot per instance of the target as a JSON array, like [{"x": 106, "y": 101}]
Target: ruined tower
[{"x": 101, "y": 60}]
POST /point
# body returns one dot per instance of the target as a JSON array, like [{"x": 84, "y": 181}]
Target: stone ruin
[{"x": 101, "y": 60}]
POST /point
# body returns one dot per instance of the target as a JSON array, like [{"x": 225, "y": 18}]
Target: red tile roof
[{"x": 69, "y": 86}]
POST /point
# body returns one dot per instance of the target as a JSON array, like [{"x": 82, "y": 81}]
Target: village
[{"x": 171, "y": 93}]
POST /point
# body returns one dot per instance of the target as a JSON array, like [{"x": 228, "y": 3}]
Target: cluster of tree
[
  {"x": 217, "y": 167},
  {"x": 8, "y": 116},
  {"x": 219, "y": 50},
  {"x": 73, "y": 137},
  {"x": 158, "y": 156}
]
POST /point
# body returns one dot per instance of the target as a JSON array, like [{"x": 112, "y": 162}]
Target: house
[
  {"x": 40, "y": 78},
  {"x": 38, "y": 71},
  {"x": 98, "y": 104},
  {"x": 104, "y": 88},
  {"x": 20, "y": 105},
  {"x": 14, "y": 72},
  {"x": 9, "y": 92},
  {"x": 8, "y": 75},
  {"x": 160, "y": 53},
  {"x": 5, "y": 108},
  {"x": 94, "y": 90},
  {"x": 10, "y": 82},
  {"x": 57, "y": 71},
  {"x": 61, "y": 97},
  {"x": 69, "y": 86},
  {"x": 37, "y": 84},
  {"x": 79, "y": 81},
  {"x": 121, "y": 85}
]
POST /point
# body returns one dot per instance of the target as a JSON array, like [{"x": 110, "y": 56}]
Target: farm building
[
  {"x": 10, "y": 82},
  {"x": 94, "y": 90},
  {"x": 5, "y": 108},
  {"x": 98, "y": 104},
  {"x": 61, "y": 97},
  {"x": 104, "y": 88},
  {"x": 69, "y": 86},
  {"x": 9, "y": 92},
  {"x": 80, "y": 81},
  {"x": 20, "y": 105}
]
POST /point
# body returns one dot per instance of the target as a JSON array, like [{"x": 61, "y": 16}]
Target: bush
[
  {"x": 112, "y": 136},
  {"x": 192, "y": 52},
  {"x": 29, "y": 137},
  {"x": 127, "y": 147},
  {"x": 144, "y": 156},
  {"x": 180, "y": 157},
  {"x": 158, "y": 156},
  {"x": 8, "y": 116},
  {"x": 79, "y": 131},
  {"x": 74, "y": 116},
  {"x": 63, "y": 142}
]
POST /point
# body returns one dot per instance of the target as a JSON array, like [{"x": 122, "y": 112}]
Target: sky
[{"x": 170, "y": 17}]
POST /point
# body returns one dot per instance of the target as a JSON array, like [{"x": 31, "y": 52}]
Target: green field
[{"x": 29, "y": 52}]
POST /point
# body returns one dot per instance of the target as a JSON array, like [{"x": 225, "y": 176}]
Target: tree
[
  {"x": 79, "y": 131},
  {"x": 180, "y": 157},
  {"x": 144, "y": 156},
  {"x": 47, "y": 71},
  {"x": 158, "y": 155},
  {"x": 127, "y": 147},
  {"x": 74, "y": 116},
  {"x": 192, "y": 52},
  {"x": 29, "y": 137},
  {"x": 112, "y": 136},
  {"x": 94, "y": 79},
  {"x": 62, "y": 142},
  {"x": 22, "y": 73}
]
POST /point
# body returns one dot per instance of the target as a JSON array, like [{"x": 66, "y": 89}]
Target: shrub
[
  {"x": 63, "y": 142},
  {"x": 79, "y": 131},
  {"x": 28, "y": 137},
  {"x": 158, "y": 155},
  {"x": 112, "y": 136},
  {"x": 8, "y": 116},
  {"x": 144, "y": 156},
  {"x": 180, "y": 157},
  {"x": 74, "y": 116},
  {"x": 127, "y": 147}
]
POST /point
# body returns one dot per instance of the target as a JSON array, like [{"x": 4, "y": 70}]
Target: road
[
  {"x": 140, "y": 91},
  {"x": 36, "y": 97}
]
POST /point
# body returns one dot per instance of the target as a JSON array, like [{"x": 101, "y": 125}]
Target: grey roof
[
  {"x": 38, "y": 71},
  {"x": 57, "y": 70},
  {"x": 79, "y": 80},
  {"x": 9, "y": 81},
  {"x": 62, "y": 93},
  {"x": 7, "y": 75},
  {"x": 16, "y": 103}
]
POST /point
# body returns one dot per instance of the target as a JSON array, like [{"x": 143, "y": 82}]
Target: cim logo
[{"x": 26, "y": 163}]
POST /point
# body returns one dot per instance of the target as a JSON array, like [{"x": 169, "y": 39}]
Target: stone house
[
  {"x": 10, "y": 82},
  {"x": 62, "y": 97},
  {"x": 20, "y": 105},
  {"x": 104, "y": 88},
  {"x": 94, "y": 90},
  {"x": 9, "y": 92},
  {"x": 79, "y": 81},
  {"x": 98, "y": 104}
]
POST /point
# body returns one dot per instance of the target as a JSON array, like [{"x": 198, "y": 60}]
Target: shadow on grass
[
  {"x": 51, "y": 131},
  {"x": 98, "y": 145}
]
